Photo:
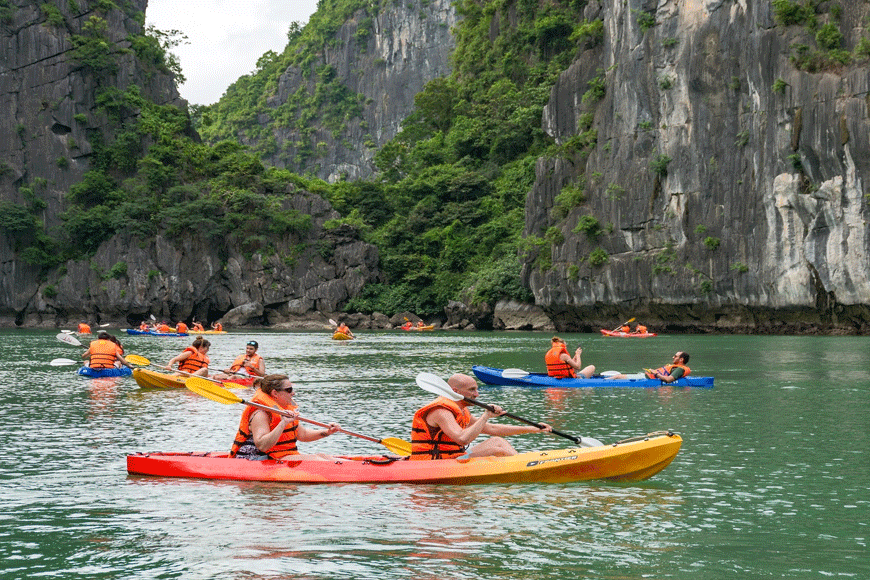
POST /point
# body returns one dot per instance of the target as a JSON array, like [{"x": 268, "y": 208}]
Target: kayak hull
[
  {"x": 148, "y": 379},
  {"x": 101, "y": 373},
  {"x": 419, "y": 328},
  {"x": 137, "y": 332},
  {"x": 494, "y": 376},
  {"x": 341, "y": 336},
  {"x": 632, "y": 460},
  {"x": 620, "y": 334}
]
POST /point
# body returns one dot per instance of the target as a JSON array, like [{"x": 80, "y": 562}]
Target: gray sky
[{"x": 225, "y": 38}]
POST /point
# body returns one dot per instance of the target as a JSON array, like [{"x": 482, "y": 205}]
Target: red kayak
[{"x": 620, "y": 334}]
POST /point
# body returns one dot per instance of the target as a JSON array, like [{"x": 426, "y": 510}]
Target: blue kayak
[
  {"x": 493, "y": 376},
  {"x": 152, "y": 333},
  {"x": 100, "y": 373}
]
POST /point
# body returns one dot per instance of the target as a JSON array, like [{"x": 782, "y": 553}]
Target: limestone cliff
[
  {"x": 727, "y": 188},
  {"x": 385, "y": 59}
]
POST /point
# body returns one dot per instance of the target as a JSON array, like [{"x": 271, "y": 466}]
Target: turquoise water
[{"x": 771, "y": 481}]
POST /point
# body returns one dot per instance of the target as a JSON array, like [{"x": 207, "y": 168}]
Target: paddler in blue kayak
[
  {"x": 562, "y": 365},
  {"x": 105, "y": 353},
  {"x": 444, "y": 428},
  {"x": 670, "y": 373}
]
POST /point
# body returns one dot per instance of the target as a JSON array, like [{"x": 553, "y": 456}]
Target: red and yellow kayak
[
  {"x": 341, "y": 336},
  {"x": 147, "y": 379},
  {"x": 633, "y": 459},
  {"x": 621, "y": 334}
]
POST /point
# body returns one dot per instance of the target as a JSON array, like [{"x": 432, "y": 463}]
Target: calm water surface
[{"x": 771, "y": 482}]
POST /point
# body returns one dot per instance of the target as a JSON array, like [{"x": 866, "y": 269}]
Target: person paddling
[
  {"x": 103, "y": 353},
  {"x": 250, "y": 363},
  {"x": 193, "y": 359},
  {"x": 84, "y": 328},
  {"x": 263, "y": 435},
  {"x": 181, "y": 327},
  {"x": 444, "y": 428},
  {"x": 343, "y": 328}
]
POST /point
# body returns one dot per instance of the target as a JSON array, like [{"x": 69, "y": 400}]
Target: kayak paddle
[
  {"x": 514, "y": 373},
  {"x": 132, "y": 359},
  {"x": 438, "y": 386},
  {"x": 62, "y": 362},
  {"x": 68, "y": 339},
  {"x": 629, "y": 321},
  {"x": 202, "y": 387}
]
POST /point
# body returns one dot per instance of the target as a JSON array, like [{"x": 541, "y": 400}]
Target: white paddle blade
[
  {"x": 607, "y": 374},
  {"x": 332, "y": 322},
  {"x": 62, "y": 362},
  {"x": 514, "y": 373},
  {"x": 68, "y": 339},
  {"x": 437, "y": 386},
  {"x": 590, "y": 442},
  {"x": 67, "y": 331}
]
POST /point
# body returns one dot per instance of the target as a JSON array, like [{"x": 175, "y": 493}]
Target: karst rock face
[
  {"x": 727, "y": 189},
  {"x": 50, "y": 115}
]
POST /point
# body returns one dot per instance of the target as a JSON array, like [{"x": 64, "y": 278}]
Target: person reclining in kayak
[
  {"x": 344, "y": 329},
  {"x": 670, "y": 373},
  {"x": 264, "y": 435},
  {"x": 193, "y": 360},
  {"x": 104, "y": 353},
  {"x": 561, "y": 365},
  {"x": 444, "y": 428},
  {"x": 250, "y": 364}
]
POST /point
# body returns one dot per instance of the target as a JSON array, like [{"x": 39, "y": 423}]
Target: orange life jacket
[
  {"x": 84, "y": 328},
  {"x": 625, "y": 329},
  {"x": 556, "y": 367},
  {"x": 143, "y": 326},
  {"x": 429, "y": 442},
  {"x": 286, "y": 444},
  {"x": 640, "y": 329},
  {"x": 181, "y": 328},
  {"x": 251, "y": 364},
  {"x": 342, "y": 328},
  {"x": 219, "y": 327},
  {"x": 103, "y": 354},
  {"x": 666, "y": 370},
  {"x": 197, "y": 326},
  {"x": 194, "y": 362},
  {"x": 164, "y": 328}
]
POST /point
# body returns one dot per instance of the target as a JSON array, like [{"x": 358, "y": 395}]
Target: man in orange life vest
[
  {"x": 250, "y": 363},
  {"x": 670, "y": 373},
  {"x": 103, "y": 353},
  {"x": 561, "y": 365},
  {"x": 444, "y": 428}
]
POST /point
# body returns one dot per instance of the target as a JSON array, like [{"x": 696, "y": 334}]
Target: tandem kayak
[
  {"x": 493, "y": 376},
  {"x": 621, "y": 334},
  {"x": 101, "y": 373},
  {"x": 632, "y": 459},
  {"x": 147, "y": 379},
  {"x": 136, "y": 331},
  {"x": 341, "y": 336},
  {"x": 418, "y": 328}
]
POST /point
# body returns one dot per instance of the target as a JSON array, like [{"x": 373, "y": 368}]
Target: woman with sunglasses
[{"x": 265, "y": 435}]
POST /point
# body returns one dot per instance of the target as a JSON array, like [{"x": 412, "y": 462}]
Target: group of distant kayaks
[{"x": 631, "y": 459}]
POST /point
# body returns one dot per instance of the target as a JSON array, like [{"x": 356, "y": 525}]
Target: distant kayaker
[
  {"x": 193, "y": 359},
  {"x": 250, "y": 363},
  {"x": 181, "y": 327},
  {"x": 217, "y": 326},
  {"x": 670, "y": 373},
  {"x": 343, "y": 328},
  {"x": 144, "y": 327},
  {"x": 640, "y": 329},
  {"x": 265, "y": 435},
  {"x": 103, "y": 353},
  {"x": 197, "y": 327},
  {"x": 444, "y": 428},
  {"x": 561, "y": 365},
  {"x": 625, "y": 329},
  {"x": 84, "y": 328}
]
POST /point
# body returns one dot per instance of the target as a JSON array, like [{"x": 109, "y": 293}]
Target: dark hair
[
  {"x": 556, "y": 339},
  {"x": 269, "y": 383},
  {"x": 200, "y": 341},
  {"x": 103, "y": 335},
  {"x": 685, "y": 356}
]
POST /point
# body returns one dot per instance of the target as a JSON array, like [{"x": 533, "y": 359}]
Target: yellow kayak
[
  {"x": 341, "y": 336},
  {"x": 153, "y": 380}
]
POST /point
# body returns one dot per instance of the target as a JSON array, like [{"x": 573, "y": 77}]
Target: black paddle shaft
[{"x": 521, "y": 420}]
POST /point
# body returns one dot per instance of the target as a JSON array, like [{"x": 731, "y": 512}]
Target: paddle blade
[
  {"x": 397, "y": 446},
  {"x": 135, "y": 359},
  {"x": 68, "y": 339},
  {"x": 514, "y": 373},
  {"x": 62, "y": 362},
  {"x": 437, "y": 386},
  {"x": 332, "y": 322},
  {"x": 590, "y": 442},
  {"x": 152, "y": 317},
  {"x": 209, "y": 390}
]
